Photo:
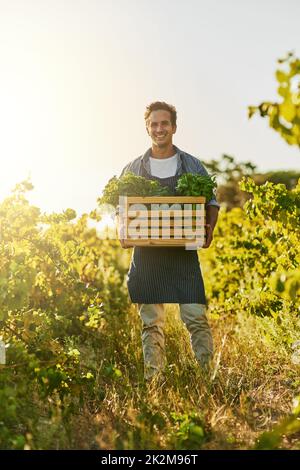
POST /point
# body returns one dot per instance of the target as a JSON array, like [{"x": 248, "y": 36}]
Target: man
[{"x": 169, "y": 275}]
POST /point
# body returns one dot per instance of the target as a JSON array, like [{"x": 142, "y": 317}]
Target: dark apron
[{"x": 165, "y": 275}]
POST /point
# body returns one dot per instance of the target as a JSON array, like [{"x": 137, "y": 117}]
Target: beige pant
[{"x": 153, "y": 318}]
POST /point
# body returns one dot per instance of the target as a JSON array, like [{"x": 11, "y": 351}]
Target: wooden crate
[{"x": 165, "y": 221}]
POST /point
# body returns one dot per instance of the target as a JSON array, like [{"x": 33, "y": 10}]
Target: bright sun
[
  {"x": 106, "y": 222},
  {"x": 106, "y": 227}
]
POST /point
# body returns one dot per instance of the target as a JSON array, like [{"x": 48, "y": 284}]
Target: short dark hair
[{"x": 158, "y": 105}]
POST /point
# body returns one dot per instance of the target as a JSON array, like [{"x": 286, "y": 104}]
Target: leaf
[
  {"x": 283, "y": 91},
  {"x": 251, "y": 111},
  {"x": 281, "y": 76},
  {"x": 288, "y": 111}
]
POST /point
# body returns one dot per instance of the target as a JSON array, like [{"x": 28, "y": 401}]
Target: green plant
[
  {"x": 130, "y": 185},
  {"x": 55, "y": 301},
  {"x": 287, "y": 427},
  {"x": 284, "y": 117},
  {"x": 190, "y": 432},
  {"x": 190, "y": 184}
]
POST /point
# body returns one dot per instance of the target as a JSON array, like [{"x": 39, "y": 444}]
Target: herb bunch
[
  {"x": 130, "y": 185},
  {"x": 190, "y": 184}
]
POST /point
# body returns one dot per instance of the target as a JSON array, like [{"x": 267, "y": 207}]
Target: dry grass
[{"x": 249, "y": 390}]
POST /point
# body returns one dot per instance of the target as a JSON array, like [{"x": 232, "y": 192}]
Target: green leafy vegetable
[
  {"x": 130, "y": 185},
  {"x": 190, "y": 184}
]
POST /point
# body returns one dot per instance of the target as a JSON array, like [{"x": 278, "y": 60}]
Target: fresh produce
[
  {"x": 130, "y": 185},
  {"x": 190, "y": 184}
]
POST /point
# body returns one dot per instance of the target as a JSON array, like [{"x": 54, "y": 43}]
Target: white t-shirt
[{"x": 163, "y": 167}]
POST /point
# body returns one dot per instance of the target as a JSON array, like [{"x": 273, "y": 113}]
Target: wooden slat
[
  {"x": 132, "y": 213},
  {"x": 164, "y": 222},
  {"x": 164, "y": 243},
  {"x": 145, "y": 232},
  {"x": 159, "y": 223},
  {"x": 164, "y": 228},
  {"x": 198, "y": 231},
  {"x": 176, "y": 223},
  {"x": 170, "y": 223},
  {"x": 166, "y": 200}
]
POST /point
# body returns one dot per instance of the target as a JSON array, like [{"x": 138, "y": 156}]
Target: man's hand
[
  {"x": 117, "y": 216},
  {"x": 211, "y": 219},
  {"x": 209, "y": 236},
  {"x": 122, "y": 242}
]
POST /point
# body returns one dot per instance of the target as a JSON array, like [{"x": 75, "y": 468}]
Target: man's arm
[{"x": 211, "y": 220}]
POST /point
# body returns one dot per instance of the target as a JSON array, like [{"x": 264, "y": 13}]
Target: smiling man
[{"x": 169, "y": 275}]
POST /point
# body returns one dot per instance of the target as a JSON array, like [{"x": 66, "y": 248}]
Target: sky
[{"x": 76, "y": 76}]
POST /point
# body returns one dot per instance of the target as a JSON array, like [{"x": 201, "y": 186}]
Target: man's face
[{"x": 160, "y": 128}]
